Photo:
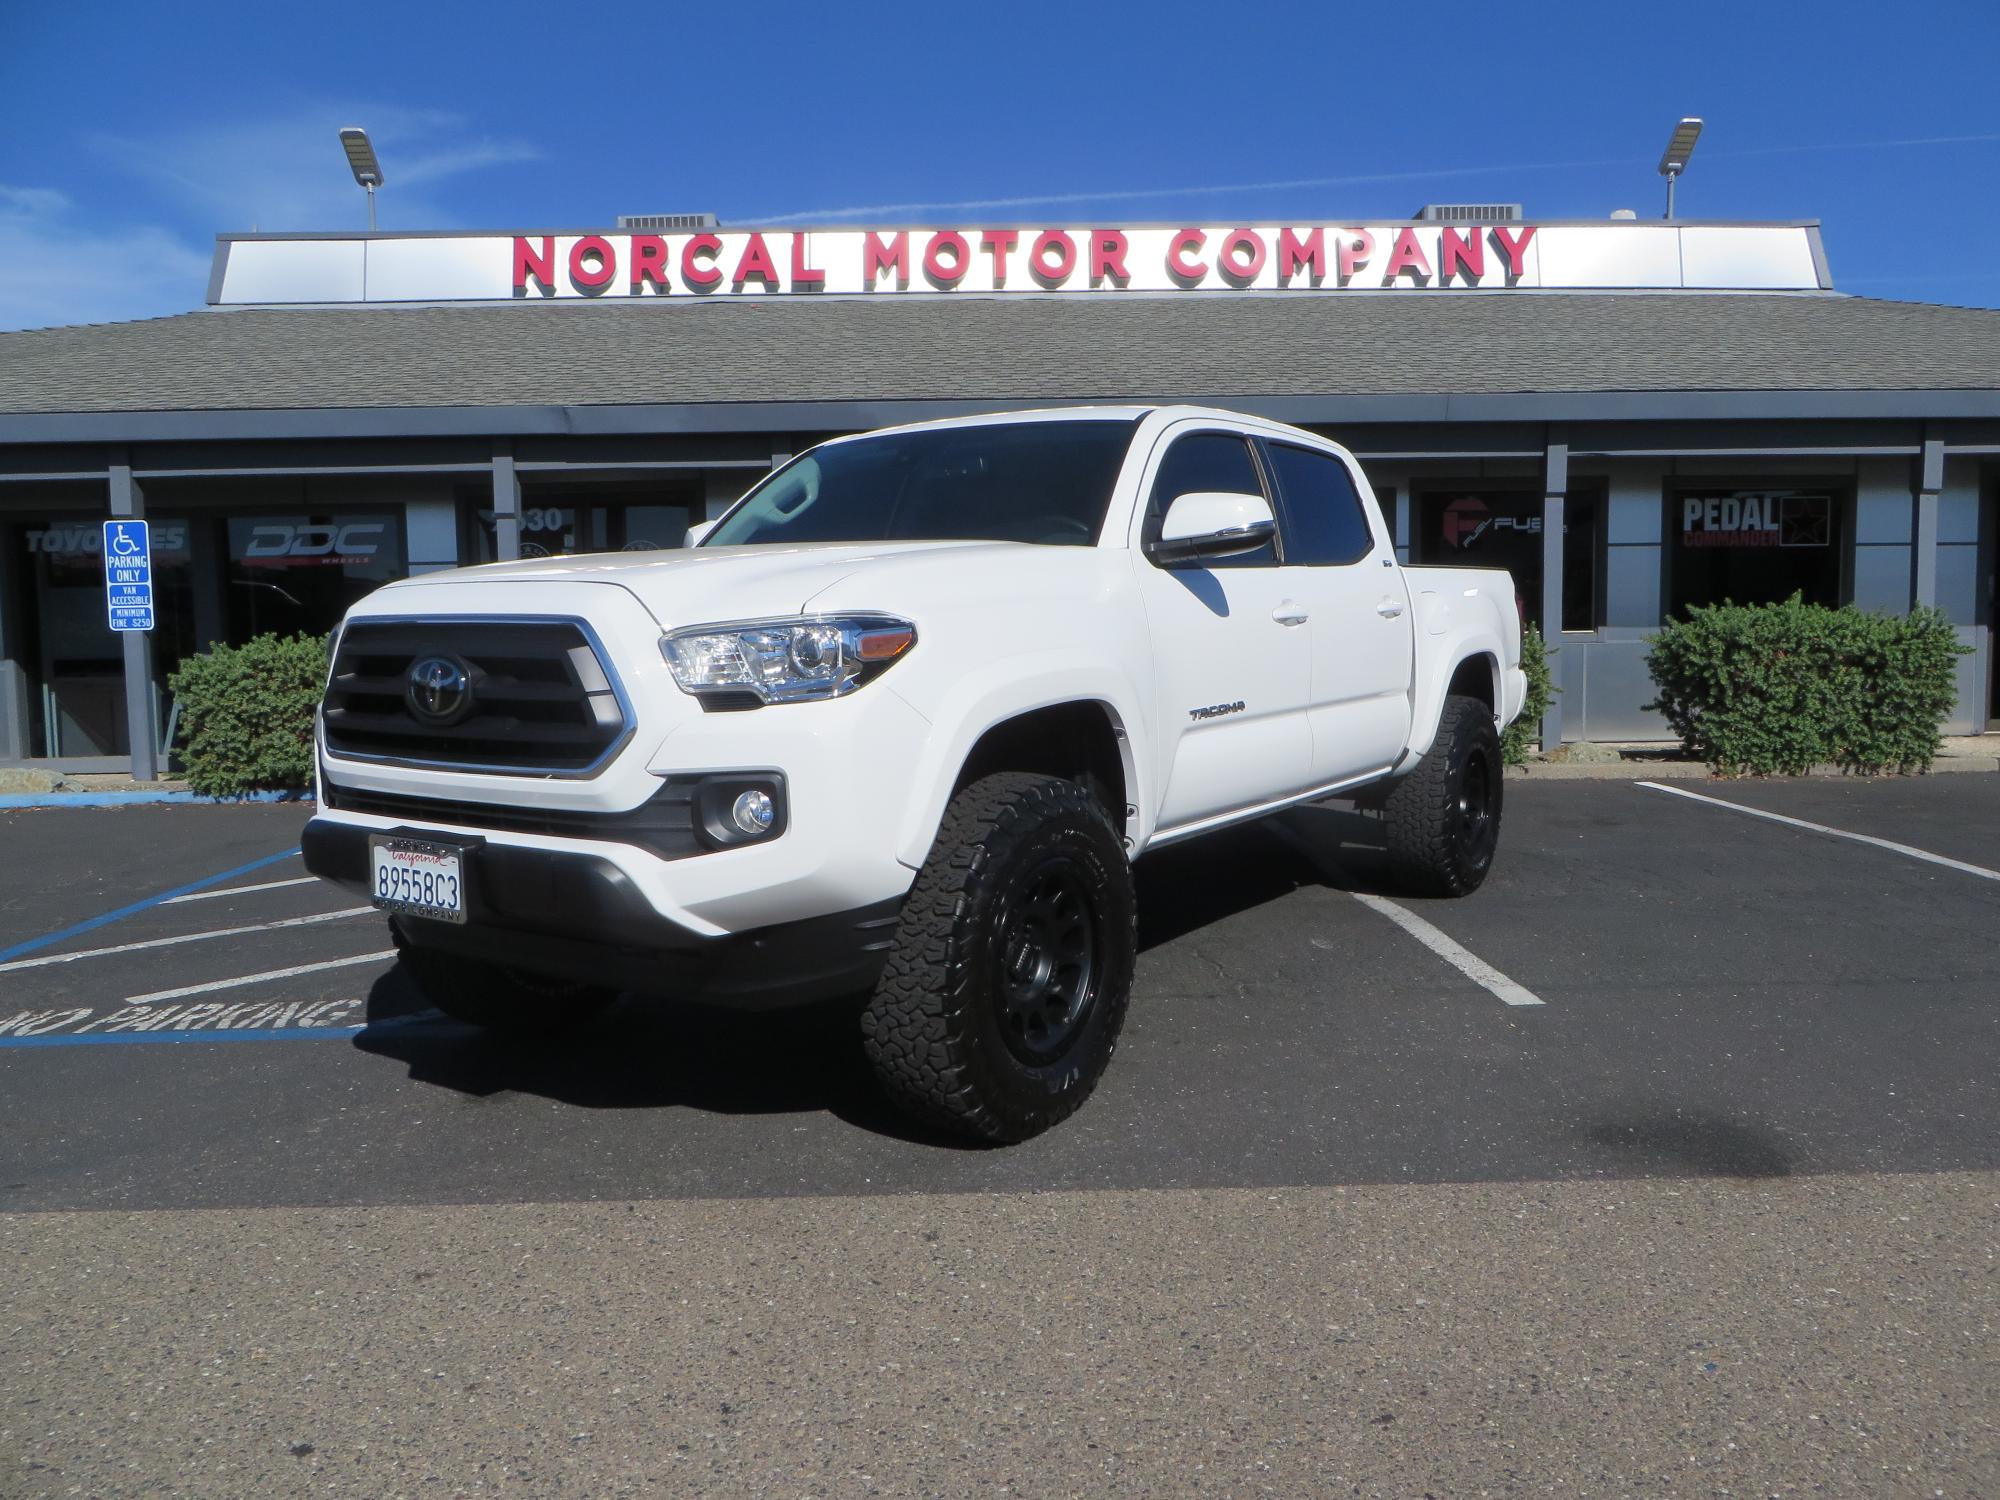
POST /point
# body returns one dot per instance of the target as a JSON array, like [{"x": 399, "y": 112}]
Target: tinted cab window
[
  {"x": 1324, "y": 522},
  {"x": 1212, "y": 461}
]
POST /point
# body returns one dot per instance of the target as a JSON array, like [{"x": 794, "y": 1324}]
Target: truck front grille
[{"x": 533, "y": 697}]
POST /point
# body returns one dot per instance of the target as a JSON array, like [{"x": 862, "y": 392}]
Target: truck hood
[{"x": 696, "y": 586}]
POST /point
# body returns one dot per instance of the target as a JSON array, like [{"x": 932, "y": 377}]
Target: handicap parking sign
[{"x": 128, "y": 575}]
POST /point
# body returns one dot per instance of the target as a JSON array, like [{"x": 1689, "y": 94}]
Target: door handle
[
  {"x": 1388, "y": 609},
  {"x": 1289, "y": 613}
]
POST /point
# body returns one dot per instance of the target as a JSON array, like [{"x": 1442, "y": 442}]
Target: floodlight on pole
[
  {"x": 361, "y": 161},
  {"x": 1674, "y": 160}
]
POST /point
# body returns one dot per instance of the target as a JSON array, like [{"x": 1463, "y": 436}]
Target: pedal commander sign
[
  {"x": 1745, "y": 518},
  {"x": 1024, "y": 260}
]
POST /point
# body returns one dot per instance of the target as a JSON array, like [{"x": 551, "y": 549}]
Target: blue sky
[{"x": 131, "y": 134}]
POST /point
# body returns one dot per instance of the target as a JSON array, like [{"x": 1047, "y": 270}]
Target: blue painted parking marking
[{"x": 92, "y": 924}]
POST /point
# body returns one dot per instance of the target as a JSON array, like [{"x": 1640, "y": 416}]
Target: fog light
[{"x": 754, "y": 813}]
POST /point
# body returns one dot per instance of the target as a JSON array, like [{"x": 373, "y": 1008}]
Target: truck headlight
[{"x": 786, "y": 661}]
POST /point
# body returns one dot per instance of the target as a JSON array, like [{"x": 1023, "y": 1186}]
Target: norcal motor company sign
[
  {"x": 1052, "y": 260},
  {"x": 1029, "y": 261}
]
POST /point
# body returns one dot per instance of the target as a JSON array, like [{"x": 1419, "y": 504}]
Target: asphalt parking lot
[{"x": 1679, "y": 1079}]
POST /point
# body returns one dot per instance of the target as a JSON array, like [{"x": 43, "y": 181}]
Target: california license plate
[{"x": 415, "y": 878}]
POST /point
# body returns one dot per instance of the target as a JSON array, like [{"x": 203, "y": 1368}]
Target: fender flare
[
  {"x": 979, "y": 703},
  {"x": 1451, "y": 634}
]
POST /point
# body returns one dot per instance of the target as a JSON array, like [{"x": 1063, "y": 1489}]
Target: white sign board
[{"x": 1025, "y": 261}]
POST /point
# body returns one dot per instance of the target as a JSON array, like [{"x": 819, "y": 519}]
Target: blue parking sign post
[
  {"x": 128, "y": 606},
  {"x": 128, "y": 575}
]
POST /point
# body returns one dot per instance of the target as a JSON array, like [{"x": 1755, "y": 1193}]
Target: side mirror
[
  {"x": 699, "y": 530},
  {"x": 1213, "y": 523}
]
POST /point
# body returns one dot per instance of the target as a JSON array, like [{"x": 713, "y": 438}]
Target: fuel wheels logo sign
[
  {"x": 1469, "y": 519},
  {"x": 1465, "y": 519}
]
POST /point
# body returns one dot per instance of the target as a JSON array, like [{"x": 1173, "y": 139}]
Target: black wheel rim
[
  {"x": 1475, "y": 810},
  {"x": 1049, "y": 960}
]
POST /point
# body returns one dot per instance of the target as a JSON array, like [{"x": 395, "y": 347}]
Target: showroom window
[
  {"x": 1497, "y": 527},
  {"x": 1583, "y": 552},
  {"x": 300, "y": 572},
  {"x": 557, "y": 521},
  {"x": 1753, "y": 545},
  {"x": 74, "y": 660}
]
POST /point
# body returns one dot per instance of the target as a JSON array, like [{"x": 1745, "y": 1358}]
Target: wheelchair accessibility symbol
[{"x": 123, "y": 543}]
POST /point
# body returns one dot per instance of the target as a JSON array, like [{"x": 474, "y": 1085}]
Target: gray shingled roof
[{"x": 796, "y": 349}]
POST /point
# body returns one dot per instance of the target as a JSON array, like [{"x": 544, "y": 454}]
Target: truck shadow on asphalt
[{"x": 653, "y": 1054}]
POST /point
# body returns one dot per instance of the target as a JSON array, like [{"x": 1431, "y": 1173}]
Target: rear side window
[
  {"x": 1325, "y": 522},
  {"x": 1208, "y": 461}
]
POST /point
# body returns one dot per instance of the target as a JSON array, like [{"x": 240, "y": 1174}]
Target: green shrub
[
  {"x": 1775, "y": 689},
  {"x": 246, "y": 714},
  {"x": 1525, "y": 733}
]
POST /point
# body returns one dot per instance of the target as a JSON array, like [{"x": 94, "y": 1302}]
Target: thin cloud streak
[
  {"x": 1921, "y": 140},
  {"x": 1127, "y": 195},
  {"x": 75, "y": 270},
  {"x": 286, "y": 172},
  {"x": 443, "y": 164}
]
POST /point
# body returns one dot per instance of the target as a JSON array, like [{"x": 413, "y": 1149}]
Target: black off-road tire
[
  {"x": 1443, "y": 819},
  {"x": 1002, "y": 999},
  {"x": 508, "y": 1002}
]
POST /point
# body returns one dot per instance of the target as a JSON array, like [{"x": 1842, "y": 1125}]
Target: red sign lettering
[
  {"x": 1461, "y": 254},
  {"x": 698, "y": 268},
  {"x": 1406, "y": 256},
  {"x": 1295, "y": 254},
  {"x": 540, "y": 265},
  {"x": 997, "y": 243},
  {"x": 805, "y": 278},
  {"x": 1107, "y": 257},
  {"x": 755, "y": 264},
  {"x": 1048, "y": 274},
  {"x": 592, "y": 264},
  {"x": 1187, "y": 272},
  {"x": 940, "y": 275},
  {"x": 877, "y": 257},
  {"x": 1355, "y": 246},
  {"x": 1514, "y": 249},
  {"x": 1241, "y": 257},
  {"x": 649, "y": 262}
]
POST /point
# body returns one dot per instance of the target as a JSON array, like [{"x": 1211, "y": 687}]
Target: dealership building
[{"x": 1630, "y": 417}]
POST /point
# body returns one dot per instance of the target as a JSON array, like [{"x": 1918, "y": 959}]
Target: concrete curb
[
  {"x": 1616, "y": 770},
  {"x": 13, "y": 801},
  {"x": 1682, "y": 770}
]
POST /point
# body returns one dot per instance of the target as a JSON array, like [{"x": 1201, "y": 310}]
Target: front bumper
[{"x": 574, "y": 914}]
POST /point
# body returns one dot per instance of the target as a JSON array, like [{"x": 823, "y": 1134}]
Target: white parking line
[
  {"x": 241, "y": 890},
  {"x": 243, "y": 979},
  {"x": 191, "y": 937},
  {"x": 1470, "y": 964},
  {"x": 1840, "y": 833}
]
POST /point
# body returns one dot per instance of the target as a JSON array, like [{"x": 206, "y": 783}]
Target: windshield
[{"x": 1044, "y": 482}]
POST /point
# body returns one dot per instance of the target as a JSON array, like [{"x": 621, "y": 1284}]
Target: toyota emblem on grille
[{"x": 440, "y": 690}]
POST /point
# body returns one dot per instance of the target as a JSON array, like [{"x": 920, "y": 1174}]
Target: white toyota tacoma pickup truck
[{"x": 896, "y": 727}]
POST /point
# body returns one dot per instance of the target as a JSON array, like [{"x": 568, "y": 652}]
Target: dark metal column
[
  {"x": 1555, "y": 488},
  {"x": 506, "y": 505},
  {"x": 1924, "y": 554},
  {"x": 14, "y": 714},
  {"x": 142, "y": 728}
]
